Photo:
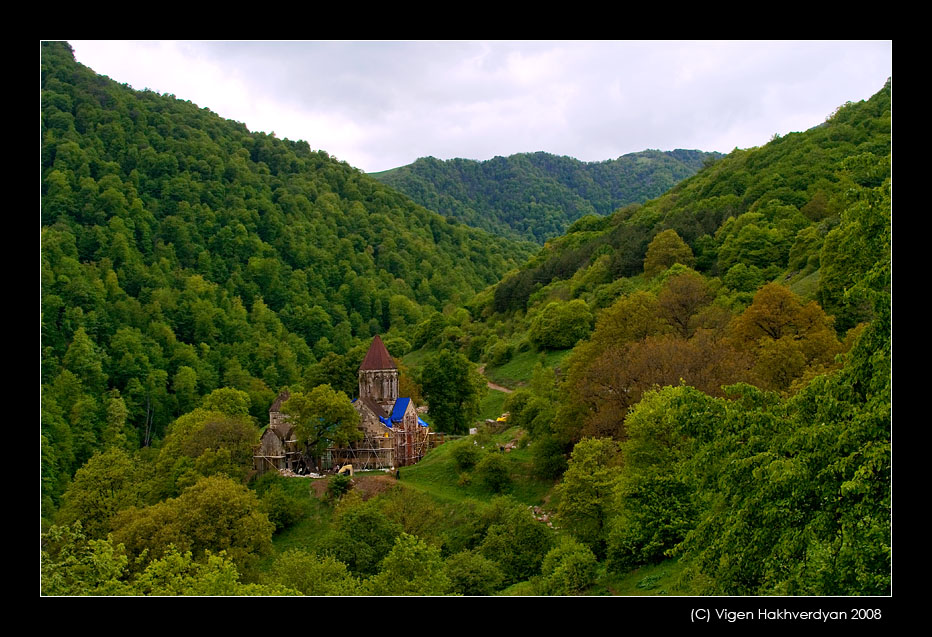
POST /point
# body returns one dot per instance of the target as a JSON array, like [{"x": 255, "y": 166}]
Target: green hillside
[
  {"x": 536, "y": 196},
  {"x": 182, "y": 253},
  {"x": 700, "y": 383}
]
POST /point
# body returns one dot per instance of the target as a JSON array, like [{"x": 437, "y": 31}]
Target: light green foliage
[
  {"x": 743, "y": 278},
  {"x": 412, "y": 567},
  {"x": 107, "y": 484},
  {"x": 205, "y": 443},
  {"x": 116, "y": 433},
  {"x": 215, "y": 514},
  {"x": 472, "y": 574},
  {"x": 322, "y": 418},
  {"x": 585, "y": 494},
  {"x": 182, "y": 253},
  {"x": 311, "y": 574},
  {"x": 855, "y": 256},
  {"x": 71, "y": 564},
  {"x": 228, "y": 401},
  {"x": 568, "y": 568},
  {"x": 177, "y": 573},
  {"x": 561, "y": 325},
  {"x": 656, "y": 495},
  {"x": 665, "y": 249}
]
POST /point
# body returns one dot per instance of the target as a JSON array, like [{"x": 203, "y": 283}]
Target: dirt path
[{"x": 492, "y": 385}]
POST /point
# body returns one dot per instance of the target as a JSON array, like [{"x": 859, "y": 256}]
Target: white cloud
[{"x": 379, "y": 105}]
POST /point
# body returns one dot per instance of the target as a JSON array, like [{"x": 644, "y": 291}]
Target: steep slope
[
  {"x": 181, "y": 252},
  {"x": 785, "y": 211},
  {"x": 536, "y": 196}
]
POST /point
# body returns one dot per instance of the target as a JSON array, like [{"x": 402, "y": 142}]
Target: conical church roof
[{"x": 377, "y": 357}]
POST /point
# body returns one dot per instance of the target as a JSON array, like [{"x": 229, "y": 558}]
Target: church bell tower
[{"x": 378, "y": 376}]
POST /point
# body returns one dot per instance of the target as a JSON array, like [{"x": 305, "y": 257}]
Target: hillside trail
[{"x": 492, "y": 385}]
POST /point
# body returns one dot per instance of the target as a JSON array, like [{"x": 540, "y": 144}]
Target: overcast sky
[{"x": 379, "y": 105}]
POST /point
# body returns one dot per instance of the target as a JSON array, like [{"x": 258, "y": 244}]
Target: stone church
[
  {"x": 387, "y": 419},
  {"x": 393, "y": 434}
]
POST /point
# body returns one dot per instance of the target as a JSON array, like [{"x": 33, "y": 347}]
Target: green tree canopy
[
  {"x": 322, "y": 418},
  {"x": 453, "y": 389},
  {"x": 664, "y": 250}
]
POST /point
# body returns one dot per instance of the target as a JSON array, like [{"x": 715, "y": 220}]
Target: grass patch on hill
[
  {"x": 492, "y": 405},
  {"x": 437, "y": 473},
  {"x": 648, "y": 580},
  {"x": 519, "y": 370}
]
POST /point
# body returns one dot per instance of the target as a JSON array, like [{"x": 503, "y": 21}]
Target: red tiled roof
[{"x": 377, "y": 357}]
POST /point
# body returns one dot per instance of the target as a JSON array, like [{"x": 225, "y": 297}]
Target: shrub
[
  {"x": 470, "y": 573},
  {"x": 568, "y": 568},
  {"x": 466, "y": 454},
  {"x": 283, "y": 510},
  {"x": 492, "y": 472},
  {"x": 338, "y": 485}
]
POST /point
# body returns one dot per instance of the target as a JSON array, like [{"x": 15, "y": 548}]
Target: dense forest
[
  {"x": 698, "y": 385},
  {"x": 182, "y": 253},
  {"x": 536, "y": 196}
]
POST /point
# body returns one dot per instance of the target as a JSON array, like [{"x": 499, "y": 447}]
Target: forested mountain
[
  {"x": 726, "y": 400},
  {"x": 536, "y": 196},
  {"x": 701, "y": 382},
  {"x": 760, "y": 214},
  {"x": 182, "y": 253}
]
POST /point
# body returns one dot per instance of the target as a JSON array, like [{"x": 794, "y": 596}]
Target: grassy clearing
[
  {"x": 492, "y": 405},
  {"x": 808, "y": 286},
  {"x": 649, "y": 580},
  {"x": 519, "y": 370},
  {"x": 437, "y": 475}
]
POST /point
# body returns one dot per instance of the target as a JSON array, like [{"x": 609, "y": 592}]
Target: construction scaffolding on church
[{"x": 393, "y": 433}]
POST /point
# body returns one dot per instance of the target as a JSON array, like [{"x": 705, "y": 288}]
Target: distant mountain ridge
[{"x": 536, "y": 196}]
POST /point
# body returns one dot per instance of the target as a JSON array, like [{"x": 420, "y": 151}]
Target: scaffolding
[
  {"x": 371, "y": 453},
  {"x": 397, "y": 447}
]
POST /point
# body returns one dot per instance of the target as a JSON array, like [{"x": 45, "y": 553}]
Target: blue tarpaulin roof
[{"x": 398, "y": 411}]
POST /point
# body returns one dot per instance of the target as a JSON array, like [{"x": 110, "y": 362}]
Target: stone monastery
[{"x": 393, "y": 434}]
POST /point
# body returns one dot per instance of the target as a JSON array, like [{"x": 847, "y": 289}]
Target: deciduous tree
[{"x": 322, "y": 418}]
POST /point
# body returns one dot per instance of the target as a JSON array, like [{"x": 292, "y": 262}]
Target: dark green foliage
[
  {"x": 453, "y": 389},
  {"x": 549, "y": 457},
  {"x": 361, "y": 538},
  {"x": 466, "y": 454},
  {"x": 535, "y": 196},
  {"x": 492, "y": 472},
  {"x": 338, "y": 485},
  {"x": 515, "y": 541},
  {"x": 283, "y": 509}
]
